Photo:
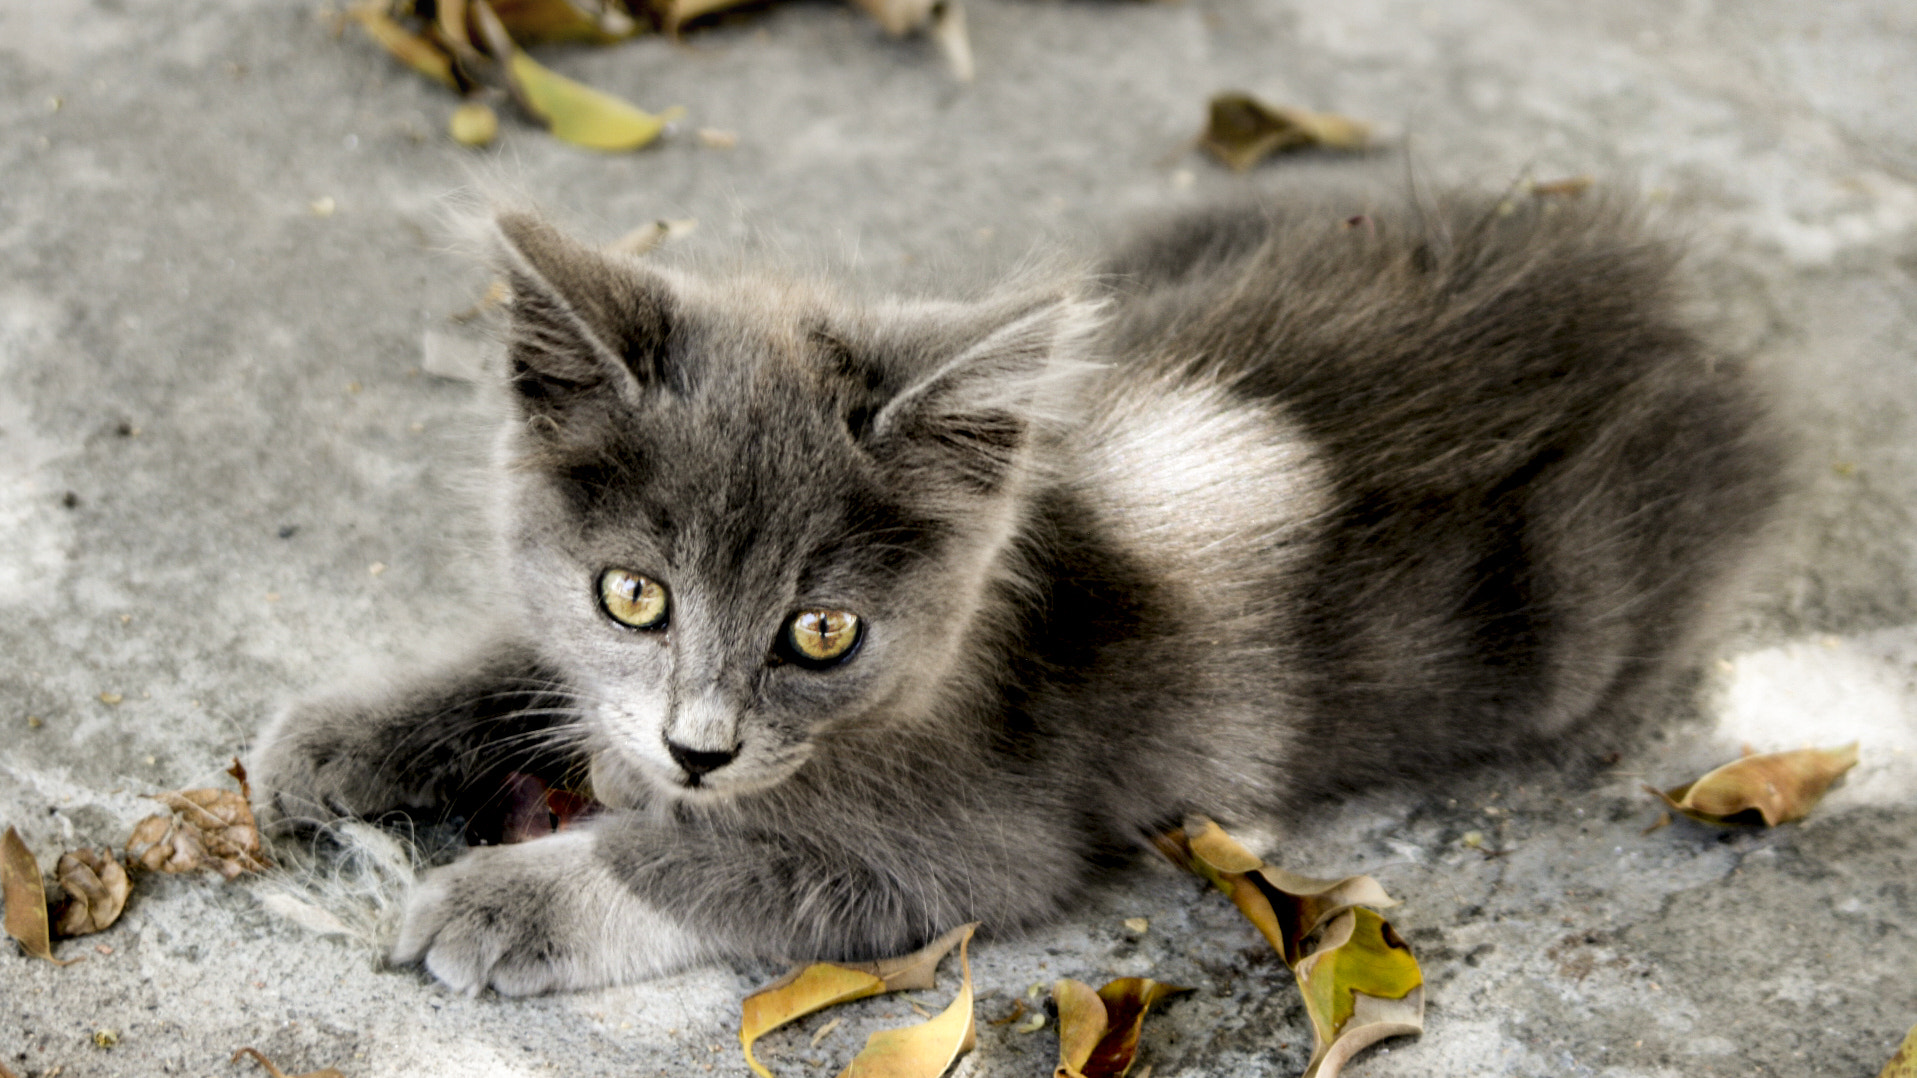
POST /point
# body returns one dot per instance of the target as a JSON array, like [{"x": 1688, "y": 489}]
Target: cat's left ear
[
  {"x": 973, "y": 414},
  {"x": 583, "y": 325}
]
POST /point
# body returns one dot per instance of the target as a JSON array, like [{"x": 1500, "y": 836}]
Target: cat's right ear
[{"x": 583, "y": 326}]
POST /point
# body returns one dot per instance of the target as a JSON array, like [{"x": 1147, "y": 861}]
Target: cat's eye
[
  {"x": 821, "y": 637},
  {"x": 633, "y": 600}
]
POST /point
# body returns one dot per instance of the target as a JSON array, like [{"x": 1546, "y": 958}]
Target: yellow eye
[
  {"x": 632, "y": 599},
  {"x": 822, "y": 636}
]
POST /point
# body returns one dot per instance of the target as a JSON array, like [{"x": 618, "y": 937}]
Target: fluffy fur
[{"x": 1278, "y": 504}]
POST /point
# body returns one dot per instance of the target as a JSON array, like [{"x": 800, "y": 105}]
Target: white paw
[{"x": 539, "y": 916}]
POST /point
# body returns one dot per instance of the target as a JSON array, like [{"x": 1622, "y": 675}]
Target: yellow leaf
[
  {"x": 1283, "y": 906},
  {"x": 825, "y": 984},
  {"x": 1904, "y": 1063},
  {"x": 26, "y": 897},
  {"x": 580, "y": 114},
  {"x": 926, "y": 1050},
  {"x": 419, "y": 53},
  {"x": 1768, "y": 789},
  {"x": 473, "y": 124},
  {"x": 1243, "y": 130},
  {"x": 1098, "y": 1031},
  {"x": 1360, "y": 986}
]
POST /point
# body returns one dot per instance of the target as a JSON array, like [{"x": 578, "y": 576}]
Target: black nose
[{"x": 696, "y": 762}]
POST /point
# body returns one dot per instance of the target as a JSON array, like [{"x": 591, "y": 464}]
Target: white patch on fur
[{"x": 1215, "y": 486}]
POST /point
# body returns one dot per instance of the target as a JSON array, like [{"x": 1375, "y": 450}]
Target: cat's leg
[
  {"x": 415, "y": 745},
  {"x": 799, "y": 877}
]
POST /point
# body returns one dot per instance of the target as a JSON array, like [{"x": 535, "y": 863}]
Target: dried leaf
[
  {"x": 928, "y": 1049},
  {"x": 97, "y": 889},
  {"x": 26, "y": 896},
  {"x": 1243, "y": 130},
  {"x": 573, "y": 111},
  {"x": 533, "y": 21},
  {"x": 1283, "y": 906},
  {"x": 1770, "y": 789},
  {"x": 328, "y": 1072},
  {"x": 208, "y": 829},
  {"x": 1098, "y": 1031},
  {"x": 1361, "y": 985},
  {"x": 420, "y": 53},
  {"x": 473, "y": 124},
  {"x": 825, "y": 984},
  {"x": 1904, "y": 1063}
]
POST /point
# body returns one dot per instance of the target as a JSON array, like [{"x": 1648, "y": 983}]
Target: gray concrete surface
[{"x": 213, "y": 424}]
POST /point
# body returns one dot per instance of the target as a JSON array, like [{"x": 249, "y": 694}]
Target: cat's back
[{"x": 1464, "y": 462}]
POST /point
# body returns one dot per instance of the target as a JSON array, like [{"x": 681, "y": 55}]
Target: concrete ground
[{"x": 214, "y": 428}]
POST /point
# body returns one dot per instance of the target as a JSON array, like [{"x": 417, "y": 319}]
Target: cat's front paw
[{"x": 539, "y": 916}]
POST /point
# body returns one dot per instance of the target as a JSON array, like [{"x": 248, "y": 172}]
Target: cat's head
[{"x": 742, "y": 515}]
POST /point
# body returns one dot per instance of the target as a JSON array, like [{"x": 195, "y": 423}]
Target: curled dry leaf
[
  {"x": 1361, "y": 985},
  {"x": 534, "y": 21},
  {"x": 675, "y": 14},
  {"x": 1904, "y": 1063},
  {"x": 573, "y": 111},
  {"x": 1767, "y": 789},
  {"x": 1360, "y": 982},
  {"x": 928, "y": 1049},
  {"x": 1098, "y": 1031},
  {"x": 275, "y": 1072},
  {"x": 825, "y": 984},
  {"x": 1243, "y": 130},
  {"x": 417, "y": 51},
  {"x": 207, "y": 829},
  {"x": 1283, "y": 906},
  {"x": 97, "y": 888},
  {"x": 26, "y": 898}
]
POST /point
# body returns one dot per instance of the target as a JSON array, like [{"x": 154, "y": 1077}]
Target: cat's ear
[
  {"x": 582, "y": 324},
  {"x": 973, "y": 414}
]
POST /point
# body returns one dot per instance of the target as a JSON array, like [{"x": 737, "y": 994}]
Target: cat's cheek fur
[{"x": 541, "y": 916}]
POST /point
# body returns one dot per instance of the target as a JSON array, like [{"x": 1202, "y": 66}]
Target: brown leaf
[
  {"x": 825, "y": 984},
  {"x": 26, "y": 897},
  {"x": 1767, "y": 789},
  {"x": 1359, "y": 980},
  {"x": 1243, "y": 130},
  {"x": 416, "y": 51},
  {"x": 97, "y": 889},
  {"x": 1283, "y": 906},
  {"x": 1098, "y": 1031},
  {"x": 275, "y": 1072},
  {"x": 533, "y": 21},
  {"x": 943, "y": 19},
  {"x": 1904, "y": 1063},
  {"x": 928, "y": 1049},
  {"x": 675, "y": 14},
  {"x": 208, "y": 829}
]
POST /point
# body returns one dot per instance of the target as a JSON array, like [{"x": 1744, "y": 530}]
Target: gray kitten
[{"x": 876, "y": 620}]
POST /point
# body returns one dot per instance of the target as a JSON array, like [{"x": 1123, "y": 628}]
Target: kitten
[{"x": 875, "y": 620}]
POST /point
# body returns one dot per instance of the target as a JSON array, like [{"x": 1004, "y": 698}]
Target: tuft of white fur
[{"x": 352, "y": 883}]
